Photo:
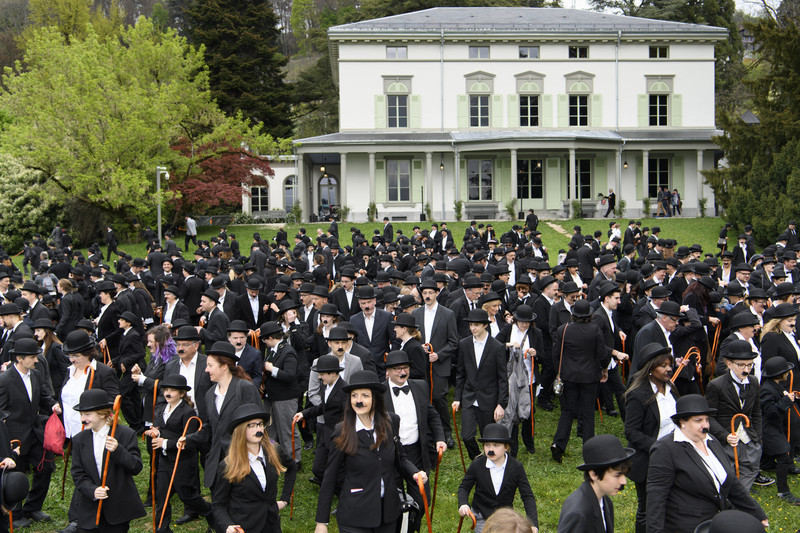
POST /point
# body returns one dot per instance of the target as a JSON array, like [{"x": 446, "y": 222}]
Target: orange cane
[
  {"x": 474, "y": 521},
  {"x": 436, "y": 481},
  {"x": 458, "y": 440},
  {"x": 600, "y": 410},
  {"x": 254, "y": 339},
  {"x": 692, "y": 351},
  {"x": 714, "y": 346},
  {"x": 291, "y": 499},
  {"x": 117, "y": 406},
  {"x": 10, "y": 512},
  {"x": 733, "y": 430},
  {"x": 175, "y": 468},
  {"x": 428, "y": 350},
  {"x": 153, "y": 461},
  {"x": 789, "y": 412},
  {"x": 421, "y": 485}
]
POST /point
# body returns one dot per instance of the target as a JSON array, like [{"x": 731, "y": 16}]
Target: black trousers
[
  {"x": 548, "y": 375},
  {"x": 472, "y": 420},
  {"x": 192, "y": 238},
  {"x": 414, "y": 453},
  {"x": 613, "y": 388},
  {"x": 110, "y": 249},
  {"x": 784, "y": 463},
  {"x": 577, "y": 401},
  {"x": 131, "y": 404},
  {"x": 42, "y": 468},
  {"x": 440, "y": 387},
  {"x": 186, "y": 484},
  {"x": 105, "y": 527},
  {"x": 685, "y": 386},
  {"x": 641, "y": 506},
  {"x": 323, "y": 449}
]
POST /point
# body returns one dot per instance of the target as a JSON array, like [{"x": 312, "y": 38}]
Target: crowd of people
[{"x": 243, "y": 362}]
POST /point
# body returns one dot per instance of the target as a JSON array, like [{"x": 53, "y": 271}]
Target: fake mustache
[
  {"x": 181, "y": 351},
  {"x": 745, "y": 373},
  {"x": 490, "y": 453},
  {"x": 168, "y": 395},
  {"x": 621, "y": 488},
  {"x": 360, "y": 405},
  {"x": 704, "y": 430},
  {"x": 340, "y": 350},
  {"x": 403, "y": 376},
  {"x": 259, "y": 434}
]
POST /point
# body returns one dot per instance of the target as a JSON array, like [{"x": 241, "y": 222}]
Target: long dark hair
[
  {"x": 235, "y": 370},
  {"x": 642, "y": 377},
  {"x": 347, "y": 441},
  {"x": 700, "y": 291}
]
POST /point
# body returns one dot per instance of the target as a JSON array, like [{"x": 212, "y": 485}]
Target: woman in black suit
[
  {"x": 121, "y": 502},
  {"x": 57, "y": 362},
  {"x": 778, "y": 336},
  {"x": 173, "y": 309},
  {"x": 582, "y": 358},
  {"x": 407, "y": 331},
  {"x": 246, "y": 492},
  {"x": 108, "y": 331},
  {"x": 690, "y": 475},
  {"x": 649, "y": 402},
  {"x": 367, "y": 457}
]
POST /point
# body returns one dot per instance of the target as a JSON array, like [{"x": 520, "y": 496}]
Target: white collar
[{"x": 491, "y": 466}]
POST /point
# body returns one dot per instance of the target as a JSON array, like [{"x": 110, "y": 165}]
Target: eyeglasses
[
  {"x": 744, "y": 366},
  {"x": 256, "y": 425}
]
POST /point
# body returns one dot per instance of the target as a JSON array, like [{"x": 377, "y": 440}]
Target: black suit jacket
[
  {"x": 541, "y": 307},
  {"x": 123, "y": 503},
  {"x": 775, "y": 344},
  {"x": 243, "y": 311},
  {"x": 650, "y": 333},
  {"x": 485, "y": 501},
  {"x": 677, "y": 479},
  {"x": 23, "y": 420},
  {"x": 40, "y": 311},
  {"x": 388, "y": 232},
  {"x": 723, "y": 396},
  {"x": 428, "y": 421},
  {"x": 108, "y": 328},
  {"x": 488, "y": 382},
  {"x": 181, "y": 311},
  {"x": 20, "y": 332},
  {"x": 190, "y": 292},
  {"x": 216, "y": 328},
  {"x": 201, "y": 385},
  {"x": 382, "y": 336},
  {"x": 339, "y": 298},
  {"x": 444, "y": 337},
  {"x": 559, "y": 315},
  {"x": 130, "y": 351},
  {"x": 584, "y": 355},
  {"x": 642, "y": 424},
  {"x": 581, "y": 512},
  {"x": 252, "y": 361},
  {"x": 611, "y": 338},
  {"x": 284, "y": 386},
  {"x": 332, "y": 410}
]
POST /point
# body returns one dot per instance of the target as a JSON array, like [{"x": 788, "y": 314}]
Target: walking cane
[
  {"x": 714, "y": 347},
  {"x": 789, "y": 412},
  {"x": 733, "y": 430},
  {"x": 254, "y": 339},
  {"x": 692, "y": 351},
  {"x": 600, "y": 410},
  {"x": 291, "y": 498},
  {"x": 153, "y": 461},
  {"x": 10, "y": 512},
  {"x": 117, "y": 406},
  {"x": 458, "y": 440},
  {"x": 421, "y": 485},
  {"x": 175, "y": 468},
  {"x": 436, "y": 481},
  {"x": 428, "y": 350},
  {"x": 474, "y": 521}
]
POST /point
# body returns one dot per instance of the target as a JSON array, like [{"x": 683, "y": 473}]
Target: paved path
[{"x": 558, "y": 228}]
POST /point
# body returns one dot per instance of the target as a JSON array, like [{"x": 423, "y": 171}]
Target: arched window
[{"x": 289, "y": 192}]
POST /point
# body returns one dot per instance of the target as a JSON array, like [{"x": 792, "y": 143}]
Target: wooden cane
[
  {"x": 175, "y": 468},
  {"x": 458, "y": 440},
  {"x": 117, "y": 406},
  {"x": 428, "y": 350},
  {"x": 789, "y": 412},
  {"x": 600, "y": 410},
  {"x": 436, "y": 481},
  {"x": 153, "y": 461},
  {"x": 421, "y": 485},
  {"x": 692, "y": 351},
  {"x": 474, "y": 521},
  {"x": 733, "y": 431},
  {"x": 714, "y": 345},
  {"x": 254, "y": 339}
]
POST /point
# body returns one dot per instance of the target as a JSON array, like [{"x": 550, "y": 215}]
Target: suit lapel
[{"x": 701, "y": 467}]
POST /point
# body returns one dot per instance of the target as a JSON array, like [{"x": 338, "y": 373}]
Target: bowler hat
[
  {"x": 776, "y": 366},
  {"x": 364, "y": 379},
  {"x": 320, "y": 291},
  {"x": 367, "y": 292},
  {"x": 651, "y": 351},
  {"x": 570, "y": 287},
  {"x": 581, "y": 309},
  {"x": 734, "y": 289},
  {"x": 707, "y": 282},
  {"x": 14, "y": 488},
  {"x": 490, "y": 296},
  {"x": 78, "y": 341},
  {"x": 547, "y": 280},
  {"x": 174, "y": 381},
  {"x": 603, "y": 451},
  {"x": 743, "y": 319},
  {"x": 254, "y": 284},
  {"x": 211, "y": 294},
  {"x": 607, "y": 288},
  {"x": 731, "y": 520},
  {"x": 287, "y": 304},
  {"x": 173, "y": 289},
  {"x": 605, "y": 259},
  {"x": 397, "y": 358},
  {"x": 9, "y": 309},
  {"x": 26, "y": 346},
  {"x": 130, "y": 317},
  {"x": 44, "y": 323},
  {"x": 330, "y": 310},
  {"x": 187, "y": 333},
  {"x": 93, "y": 400},
  {"x": 756, "y": 294},
  {"x": 495, "y": 433},
  {"x": 31, "y": 287},
  {"x": 218, "y": 282},
  {"x": 670, "y": 308},
  {"x": 247, "y": 412},
  {"x": 407, "y": 301},
  {"x": 327, "y": 363},
  {"x": 740, "y": 350},
  {"x": 338, "y": 334},
  {"x": 238, "y": 326},
  {"x": 429, "y": 284},
  {"x": 406, "y": 320},
  {"x": 223, "y": 348},
  {"x": 784, "y": 289},
  {"x": 270, "y": 329},
  {"x": 784, "y": 311},
  {"x": 478, "y": 315},
  {"x": 472, "y": 282},
  {"x": 524, "y": 313},
  {"x": 691, "y": 405}
]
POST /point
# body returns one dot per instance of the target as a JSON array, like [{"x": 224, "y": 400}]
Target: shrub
[
  {"x": 701, "y": 206},
  {"x": 511, "y": 209},
  {"x": 429, "y": 211},
  {"x": 459, "y": 209},
  {"x": 344, "y": 212},
  {"x": 372, "y": 212},
  {"x": 577, "y": 209},
  {"x": 297, "y": 212},
  {"x": 243, "y": 218},
  {"x": 619, "y": 210},
  {"x": 646, "y": 206}
]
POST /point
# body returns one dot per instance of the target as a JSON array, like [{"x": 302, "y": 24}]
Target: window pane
[
  {"x": 578, "y": 52},
  {"x": 396, "y": 52},
  {"x": 579, "y": 110},
  {"x": 479, "y": 52},
  {"x": 528, "y": 111},
  {"x": 479, "y": 111},
  {"x": 658, "y": 175},
  {"x": 528, "y": 52},
  {"x": 289, "y": 191},
  {"x": 397, "y": 112}
]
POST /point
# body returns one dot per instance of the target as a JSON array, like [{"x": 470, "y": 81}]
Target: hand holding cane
[
  {"x": 421, "y": 486},
  {"x": 733, "y": 431},
  {"x": 117, "y": 406},
  {"x": 472, "y": 516},
  {"x": 685, "y": 361},
  {"x": 458, "y": 438},
  {"x": 175, "y": 468}
]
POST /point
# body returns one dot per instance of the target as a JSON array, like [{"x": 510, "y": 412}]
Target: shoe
[
  {"x": 38, "y": 516},
  {"x": 72, "y": 527},
  {"x": 315, "y": 480},
  {"x": 612, "y": 412},
  {"x": 299, "y": 465},
  {"x": 185, "y": 519},
  {"x": 789, "y": 498},
  {"x": 148, "y": 503},
  {"x": 450, "y": 442},
  {"x": 794, "y": 470},
  {"x": 556, "y": 453},
  {"x": 763, "y": 481},
  {"x": 23, "y": 522},
  {"x": 308, "y": 445},
  {"x": 546, "y": 405},
  {"x": 531, "y": 449}
]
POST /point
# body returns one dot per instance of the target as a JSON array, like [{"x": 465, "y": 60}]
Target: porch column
[
  {"x": 372, "y": 176},
  {"x": 645, "y": 178},
  {"x": 618, "y": 175},
  {"x": 572, "y": 178},
  {"x": 302, "y": 189},
  {"x": 456, "y": 177},
  {"x": 514, "y": 174},
  {"x": 343, "y": 179},
  {"x": 700, "y": 191},
  {"x": 428, "y": 196}
]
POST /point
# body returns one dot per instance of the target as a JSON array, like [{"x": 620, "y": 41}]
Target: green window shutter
[
  {"x": 503, "y": 173},
  {"x": 600, "y": 175},
  {"x": 546, "y": 110},
  {"x": 644, "y": 111},
  {"x": 639, "y": 174},
  {"x": 497, "y": 111},
  {"x": 552, "y": 183},
  {"x": 380, "y": 181},
  {"x": 463, "y": 111},
  {"x": 513, "y": 111},
  {"x": 563, "y": 111},
  {"x": 415, "y": 111},
  {"x": 677, "y": 111},
  {"x": 380, "y": 111},
  {"x": 678, "y": 174},
  {"x": 597, "y": 110},
  {"x": 417, "y": 180}
]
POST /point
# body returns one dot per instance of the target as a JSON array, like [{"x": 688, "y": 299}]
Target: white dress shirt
[
  {"x": 99, "y": 447},
  {"x": 666, "y": 408},
  {"x": 712, "y": 464},
  {"x": 26, "y": 380},
  {"x": 258, "y": 467},
  {"x": 428, "y": 316},
  {"x": 189, "y": 371},
  {"x": 406, "y": 409},
  {"x": 359, "y": 426},
  {"x": 369, "y": 323},
  {"x": 497, "y": 473}
]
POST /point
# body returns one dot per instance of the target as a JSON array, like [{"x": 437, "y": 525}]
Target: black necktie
[
  {"x": 263, "y": 464},
  {"x": 397, "y": 390},
  {"x": 741, "y": 388}
]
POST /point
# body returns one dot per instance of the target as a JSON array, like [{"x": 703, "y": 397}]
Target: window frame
[
  {"x": 481, "y": 186},
  {"x": 478, "y": 49},
  {"x": 658, "y": 49},
  {"x": 397, "y": 107},
  {"x": 577, "y": 106},
  {"x": 577, "y": 48},
  {"x": 290, "y": 186},
  {"x": 257, "y": 198},
  {"x": 526, "y": 184},
  {"x": 661, "y": 116},
  {"x": 398, "y": 187},
  {"x": 396, "y": 48},
  {"x": 528, "y": 47},
  {"x": 580, "y": 174},
  {"x": 529, "y": 117},
  {"x": 653, "y": 186}
]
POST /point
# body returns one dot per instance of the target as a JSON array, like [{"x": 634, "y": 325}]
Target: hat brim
[
  {"x": 96, "y": 407},
  {"x": 519, "y": 318},
  {"x": 508, "y": 441},
  {"x": 69, "y": 350},
  {"x": 628, "y": 453},
  {"x": 316, "y": 369},
  {"x": 703, "y": 527},
  {"x": 765, "y": 375},
  {"x": 378, "y": 387},
  {"x": 261, "y": 415},
  {"x": 689, "y": 414}
]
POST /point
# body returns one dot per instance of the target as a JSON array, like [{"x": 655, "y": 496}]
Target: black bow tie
[{"x": 397, "y": 390}]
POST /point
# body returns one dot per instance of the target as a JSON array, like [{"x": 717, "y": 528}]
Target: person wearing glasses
[{"x": 737, "y": 391}]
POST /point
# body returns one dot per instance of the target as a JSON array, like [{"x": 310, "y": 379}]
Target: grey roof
[{"x": 519, "y": 19}]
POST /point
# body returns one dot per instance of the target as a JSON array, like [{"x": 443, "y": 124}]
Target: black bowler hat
[
  {"x": 524, "y": 313},
  {"x": 608, "y": 288},
  {"x": 478, "y": 315},
  {"x": 670, "y": 308},
  {"x": 745, "y": 319},
  {"x": 327, "y": 363},
  {"x": 130, "y": 317},
  {"x": 739, "y": 350},
  {"x": 31, "y": 287},
  {"x": 238, "y": 326},
  {"x": 270, "y": 329},
  {"x": 254, "y": 284},
  {"x": 406, "y": 320},
  {"x": 174, "y": 381},
  {"x": 784, "y": 311},
  {"x": 338, "y": 334},
  {"x": 187, "y": 333},
  {"x": 429, "y": 284},
  {"x": 14, "y": 488},
  {"x": 330, "y": 310},
  {"x": 247, "y": 412},
  {"x": 93, "y": 400},
  {"x": 602, "y": 451},
  {"x": 27, "y": 346},
  {"x": 397, "y": 358},
  {"x": 495, "y": 433},
  {"x": 173, "y": 289},
  {"x": 44, "y": 323},
  {"x": 287, "y": 304},
  {"x": 9, "y": 309},
  {"x": 570, "y": 287},
  {"x": 320, "y": 291},
  {"x": 776, "y": 366},
  {"x": 651, "y": 351},
  {"x": 581, "y": 309},
  {"x": 731, "y": 520},
  {"x": 224, "y": 349},
  {"x": 364, "y": 379},
  {"x": 212, "y": 295},
  {"x": 366, "y": 292},
  {"x": 691, "y": 405},
  {"x": 78, "y": 341}
]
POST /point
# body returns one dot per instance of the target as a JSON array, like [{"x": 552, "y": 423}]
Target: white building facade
[{"x": 487, "y": 105}]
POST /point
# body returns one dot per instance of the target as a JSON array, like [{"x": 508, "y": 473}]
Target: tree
[{"x": 244, "y": 60}]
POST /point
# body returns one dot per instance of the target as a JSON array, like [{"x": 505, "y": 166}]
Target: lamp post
[{"x": 159, "y": 172}]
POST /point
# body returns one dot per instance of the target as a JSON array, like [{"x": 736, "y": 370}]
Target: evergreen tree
[{"x": 244, "y": 59}]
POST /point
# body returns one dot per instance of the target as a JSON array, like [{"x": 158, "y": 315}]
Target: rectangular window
[
  {"x": 583, "y": 179},
  {"x": 529, "y": 52},
  {"x": 479, "y": 111},
  {"x": 528, "y": 110},
  {"x": 578, "y": 110},
  {"x": 479, "y": 52},
  {"x": 479, "y": 179},
  {"x": 578, "y": 52},
  {"x": 398, "y": 180},
  {"x": 259, "y": 199},
  {"x": 397, "y": 114},
  {"x": 659, "y": 52},
  {"x": 396, "y": 52},
  {"x": 657, "y": 175},
  {"x": 530, "y": 184},
  {"x": 659, "y": 109}
]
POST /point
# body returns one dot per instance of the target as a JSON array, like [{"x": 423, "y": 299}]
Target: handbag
[
  {"x": 558, "y": 384},
  {"x": 409, "y": 509}
]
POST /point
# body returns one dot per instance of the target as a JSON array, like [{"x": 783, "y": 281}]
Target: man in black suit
[
  {"x": 586, "y": 260},
  {"x": 613, "y": 336},
  {"x": 14, "y": 329},
  {"x": 227, "y": 298},
  {"x": 531, "y": 221},
  {"x": 191, "y": 289},
  {"x": 605, "y": 463},
  {"x": 250, "y": 359},
  {"x": 541, "y": 308},
  {"x": 373, "y": 326},
  {"x": 344, "y": 297},
  {"x": 252, "y": 307},
  {"x": 463, "y": 303},
  {"x": 388, "y": 231},
  {"x": 129, "y": 354},
  {"x": 481, "y": 381},
  {"x": 22, "y": 396},
  {"x": 607, "y": 269},
  {"x": 217, "y": 322},
  {"x": 668, "y": 316},
  {"x": 111, "y": 242},
  {"x": 420, "y": 426},
  {"x": 32, "y": 292}
]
